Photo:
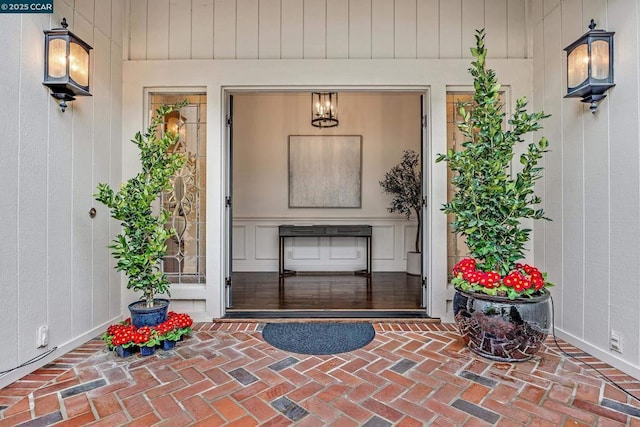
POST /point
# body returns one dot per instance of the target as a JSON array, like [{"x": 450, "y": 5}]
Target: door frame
[{"x": 425, "y": 145}]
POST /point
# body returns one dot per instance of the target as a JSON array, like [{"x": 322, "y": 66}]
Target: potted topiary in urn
[
  {"x": 501, "y": 305},
  {"x": 404, "y": 182},
  {"x": 140, "y": 247}
]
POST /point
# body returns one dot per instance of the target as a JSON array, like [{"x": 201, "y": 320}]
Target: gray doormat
[{"x": 318, "y": 337}]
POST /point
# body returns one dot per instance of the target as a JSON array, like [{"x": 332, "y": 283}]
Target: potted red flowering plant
[
  {"x": 501, "y": 305},
  {"x": 125, "y": 338}
]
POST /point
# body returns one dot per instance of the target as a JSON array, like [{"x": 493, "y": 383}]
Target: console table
[{"x": 285, "y": 231}]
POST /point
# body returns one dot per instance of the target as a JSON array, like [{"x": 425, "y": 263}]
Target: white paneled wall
[
  {"x": 591, "y": 187},
  {"x": 318, "y": 29},
  {"x": 255, "y": 246},
  {"x": 55, "y": 268}
]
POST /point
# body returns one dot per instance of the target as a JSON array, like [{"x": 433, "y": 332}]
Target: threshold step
[{"x": 328, "y": 314}]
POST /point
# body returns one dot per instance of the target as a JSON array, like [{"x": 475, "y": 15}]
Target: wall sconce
[
  {"x": 66, "y": 64},
  {"x": 590, "y": 66},
  {"x": 324, "y": 109}
]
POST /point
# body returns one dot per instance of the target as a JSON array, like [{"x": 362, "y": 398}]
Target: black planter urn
[
  {"x": 141, "y": 315},
  {"x": 502, "y": 329}
]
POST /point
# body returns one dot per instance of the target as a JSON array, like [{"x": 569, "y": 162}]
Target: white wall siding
[
  {"x": 593, "y": 194},
  {"x": 55, "y": 268},
  {"x": 318, "y": 29}
]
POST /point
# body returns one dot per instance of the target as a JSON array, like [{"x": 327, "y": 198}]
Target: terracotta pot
[{"x": 502, "y": 329}]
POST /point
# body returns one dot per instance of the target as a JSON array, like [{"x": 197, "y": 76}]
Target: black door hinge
[
  {"x": 229, "y": 120},
  {"x": 227, "y": 201}
]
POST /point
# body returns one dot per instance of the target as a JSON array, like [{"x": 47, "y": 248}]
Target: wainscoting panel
[
  {"x": 239, "y": 242},
  {"x": 345, "y": 248},
  {"x": 383, "y": 242},
  {"x": 265, "y": 236},
  {"x": 255, "y": 245}
]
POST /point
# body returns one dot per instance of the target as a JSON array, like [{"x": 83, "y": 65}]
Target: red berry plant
[
  {"x": 491, "y": 199},
  {"x": 126, "y": 335}
]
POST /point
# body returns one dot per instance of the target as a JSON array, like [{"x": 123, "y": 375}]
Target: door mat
[{"x": 318, "y": 338}]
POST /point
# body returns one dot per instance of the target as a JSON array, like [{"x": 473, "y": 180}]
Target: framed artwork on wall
[{"x": 325, "y": 171}]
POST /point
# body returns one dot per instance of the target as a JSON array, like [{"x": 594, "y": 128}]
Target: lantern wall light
[
  {"x": 66, "y": 64},
  {"x": 590, "y": 66},
  {"x": 324, "y": 109}
]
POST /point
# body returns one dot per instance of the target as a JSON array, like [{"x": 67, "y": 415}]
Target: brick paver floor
[{"x": 411, "y": 374}]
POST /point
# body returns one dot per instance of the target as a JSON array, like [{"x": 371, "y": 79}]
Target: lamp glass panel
[
  {"x": 57, "y": 60},
  {"x": 577, "y": 66},
  {"x": 79, "y": 64},
  {"x": 600, "y": 60}
]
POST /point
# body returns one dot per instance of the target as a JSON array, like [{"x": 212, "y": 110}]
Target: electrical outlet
[
  {"x": 615, "y": 341},
  {"x": 42, "y": 336}
]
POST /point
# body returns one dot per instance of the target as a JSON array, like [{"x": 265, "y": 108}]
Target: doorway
[{"x": 259, "y": 130}]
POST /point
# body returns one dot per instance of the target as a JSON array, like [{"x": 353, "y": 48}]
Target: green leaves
[
  {"x": 141, "y": 246},
  {"x": 404, "y": 183},
  {"x": 490, "y": 202}
]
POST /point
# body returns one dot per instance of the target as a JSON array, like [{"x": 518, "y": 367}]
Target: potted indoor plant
[
  {"x": 404, "y": 182},
  {"x": 140, "y": 247},
  {"x": 501, "y": 305}
]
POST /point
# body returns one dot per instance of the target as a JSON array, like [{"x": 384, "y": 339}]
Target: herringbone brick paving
[{"x": 411, "y": 374}]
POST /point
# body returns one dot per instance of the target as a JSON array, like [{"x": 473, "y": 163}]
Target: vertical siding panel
[
  {"x": 292, "y": 33},
  {"x": 224, "y": 29},
  {"x": 516, "y": 29},
  {"x": 573, "y": 187},
  {"x": 115, "y": 172},
  {"x": 315, "y": 27},
  {"x": 428, "y": 31},
  {"x": 86, "y": 8},
  {"x": 597, "y": 212},
  {"x": 59, "y": 224},
  {"x": 553, "y": 194},
  {"x": 101, "y": 89},
  {"x": 269, "y": 29},
  {"x": 179, "y": 29},
  {"x": 405, "y": 29},
  {"x": 624, "y": 146},
  {"x": 117, "y": 15},
  {"x": 202, "y": 29},
  {"x": 158, "y": 29},
  {"x": 103, "y": 14},
  {"x": 9, "y": 129},
  {"x": 82, "y": 149},
  {"x": 450, "y": 29},
  {"x": 472, "y": 20},
  {"x": 247, "y": 29},
  {"x": 549, "y": 5},
  {"x": 337, "y": 29},
  {"x": 382, "y": 34},
  {"x": 495, "y": 17},
  {"x": 359, "y": 29},
  {"x": 138, "y": 31},
  {"x": 34, "y": 102}
]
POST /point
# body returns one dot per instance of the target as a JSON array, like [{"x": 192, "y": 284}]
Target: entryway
[{"x": 262, "y": 126}]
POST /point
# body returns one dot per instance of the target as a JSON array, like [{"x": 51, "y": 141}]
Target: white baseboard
[
  {"x": 605, "y": 356},
  {"x": 62, "y": 349}
]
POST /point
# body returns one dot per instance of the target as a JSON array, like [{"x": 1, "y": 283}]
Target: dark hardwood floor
[{"x": 264, "y": 291}]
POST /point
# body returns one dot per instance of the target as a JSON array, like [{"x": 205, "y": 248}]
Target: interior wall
[
  {"x": 324, "y": 29},
  {"x": 55, "y": 268},
  {"x": 591, "y": 185},
  {"x": 388, "y": 124}
]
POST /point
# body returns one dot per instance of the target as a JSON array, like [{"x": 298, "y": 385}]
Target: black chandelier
[{"x": 324, "y": 109}]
